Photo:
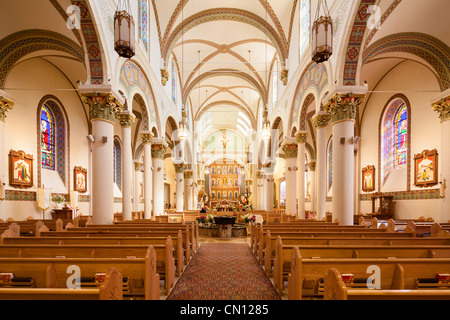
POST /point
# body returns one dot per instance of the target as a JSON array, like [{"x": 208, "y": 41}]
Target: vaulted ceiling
[{"x": 225, "y": 51}]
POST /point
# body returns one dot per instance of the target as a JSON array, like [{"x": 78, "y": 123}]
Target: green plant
[{"x": 58, "y": 198}]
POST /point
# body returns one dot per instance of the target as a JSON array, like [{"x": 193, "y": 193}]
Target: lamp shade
[
  {"x": 322, "y": 39},
  {"x": 124, "y": 34}
]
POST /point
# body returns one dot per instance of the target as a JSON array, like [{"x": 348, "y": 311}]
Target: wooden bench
[
  {"x": 179, "y": 254},
  {"x": 141, "y": 273},
  {"x": 187, "y": 246},
  {"x": 111, "y": 288},
  {"x": 260, "y": 241},
  {"x": 350, "y": 249},
  {"x": 306, "y": 275},
  {"x": 164, "y": 254},
  {"x": 335, "y": 288}
]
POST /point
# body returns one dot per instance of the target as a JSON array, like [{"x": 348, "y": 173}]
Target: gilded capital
[
  {"x": 5, "y": 106},
  {"x": 126, "y": 119},
  {"x": 290, "y": 150},
  {"x": 158, "y": 151},
  {"x": 137, "y": 166},
  {"x": 443, "y": 108},
  {"x": 188, "y": 174},
  {"x": 259, "y": 175},
  {"x": 321, "y": 120},
  {"x": 312, "y": 165},
  {"x": 164, "y": 76},
  {"x": 147, "y": 137},
  {"x": 102, "y": 106},
  {"x": 301, "y": 137},
  {"x": 179, "y": 167},
  {"x": 342, "y": 107},
  {"x": 284, "y": 76}
]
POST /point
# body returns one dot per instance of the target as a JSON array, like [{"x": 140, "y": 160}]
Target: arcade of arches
[{"x": 103, "y": 132}]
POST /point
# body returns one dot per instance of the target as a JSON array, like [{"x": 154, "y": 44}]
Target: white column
[
  {"x": 290, "y": 149},
  {"x": 301, "y": 175},
  {"x": 342, "y": 108},
  {"x": 147, "y": 138},
  {"x": 312, "y": 184},
  {"x": 137, "y": 186},
  {"x": 188, "y": 176},
  {"x": 5, "y": 105},
  {"x": 268, "y": 186},
  {"x": 320, "y": 121},
  {"x": 103, "y": 108},
  {"x": 261, "y": 205},
  {"x": 159, "y": 147},
  {"x": 179, "y": 180},
  {"x": 443, "y": 108},
  {"x": 127, "y": 120}
]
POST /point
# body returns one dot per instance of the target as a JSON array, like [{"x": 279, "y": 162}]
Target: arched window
[
  {"x": 305, "y": 25},
  {"x": 143, "y": 22},
  {"x": 48, "y": 143},
  {"x": 275, "y": 83},
  {"x": 52, "y": 144},
  {"x": 283, "y": 193},
  {"x": 174, "y": 82},
  {"x": 394, "y": 137},
  {"x": 330, "y": 163},
  {"x": 117, "y": 164}
]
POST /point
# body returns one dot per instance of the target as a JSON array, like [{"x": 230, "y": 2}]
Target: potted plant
[{"x": 58, "y": 199}]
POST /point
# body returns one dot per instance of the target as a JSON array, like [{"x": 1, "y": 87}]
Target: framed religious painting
[
  {"x": 80, "y": 179},
  {"x": 20, "y": 169},
  {"x": 426, "y": 168},
  {"x": 368, "y": 179}
]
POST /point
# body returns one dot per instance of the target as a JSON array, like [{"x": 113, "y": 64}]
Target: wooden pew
[
  {"x": 336, "y": 289},
  {"x": 260, "y": 240},
  {"x": 164, "y": 254},
  {"x": 400, "y": 273},
  {"x": 109, "y": 289},
  {"x": 109, "y": 241},
  {"x": 140, "y": 272},
  {"x": 187, "y": 246}
]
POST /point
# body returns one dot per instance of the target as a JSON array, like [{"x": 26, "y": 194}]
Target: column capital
[
  {"x": 126, "y": 118},
  {"x": 443, "y": 108},
  {"x": 301, "y": 137},
  {"x": 259, "y": 175},
  {"x": 137, "y": 166},
  {"x": 147, "y": 137},
  {"x": 102, "y": 106},
  {"x": 188, "y": 174},
  {"x": 179, "y": 167},
  {"x": 5, "y": 106},
  {"x": 290, "y": 148},
  {"x": 343, "y": 106},
  {"x": 312, "y": 165},
  {"x": 321, "y": 119},
  {"x": 159, "y": 147}
]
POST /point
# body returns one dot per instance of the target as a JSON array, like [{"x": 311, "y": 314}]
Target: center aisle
[{"x": 224, "y": 271}]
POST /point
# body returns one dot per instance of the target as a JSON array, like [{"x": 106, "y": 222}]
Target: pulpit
[
  {"x": 225, "y": 224},
  {"x": 64, "y": 214}
]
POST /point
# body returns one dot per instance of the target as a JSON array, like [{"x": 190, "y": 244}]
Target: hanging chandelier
[
  {"x": 182, "y": 126},
  {"x": 124, "y": 29},
  {"x": 266, "y": 125},
  {"x": 322, "y": 35}
]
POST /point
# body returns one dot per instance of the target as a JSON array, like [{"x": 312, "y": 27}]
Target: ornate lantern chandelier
[
  {"x": 266, "y": 125},
  {"x": 124, "y": 37},
  {"x": 322, "y": 35},
  {"x": 182, "y": 126}
]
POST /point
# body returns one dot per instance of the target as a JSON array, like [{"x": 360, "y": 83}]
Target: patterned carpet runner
[{"x": 224, "y": 271}]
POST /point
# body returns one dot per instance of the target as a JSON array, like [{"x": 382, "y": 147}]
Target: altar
[{"x": 224, "y": 227}]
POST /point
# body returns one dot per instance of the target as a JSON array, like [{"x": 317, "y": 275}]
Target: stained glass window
[
  {"x": 174, "y": 83},
  {"x": 47, "y": 138},
  {"x": 330, "y": 164},
  {"x": 143, "y": 21},
  {"x": 117, "y": 164},
  {"x": 394, "y": 138},
  {"x": 401, "y": 138},
  {"x": 305, "y": 25},
  {"x": 275, "y": 83}
]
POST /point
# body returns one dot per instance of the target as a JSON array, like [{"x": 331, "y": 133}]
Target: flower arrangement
[
  {"x": 57, "y": 198},
  {"x": 249, "y": 218},
  {"x": 201, "y": 219}
]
